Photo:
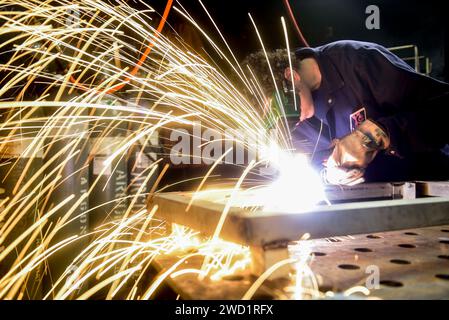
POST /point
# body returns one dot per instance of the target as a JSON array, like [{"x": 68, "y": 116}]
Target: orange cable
[
  {"x": 295, "y": 23},
  {"x": 142, "y": 58}
]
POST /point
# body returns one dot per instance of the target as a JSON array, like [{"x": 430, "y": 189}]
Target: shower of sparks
[{"x": 105, "y": 71}]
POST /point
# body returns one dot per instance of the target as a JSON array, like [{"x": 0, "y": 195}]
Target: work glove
[{"x": 353, "y": 153}]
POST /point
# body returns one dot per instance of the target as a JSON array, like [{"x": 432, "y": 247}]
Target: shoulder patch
[{"x": 356, "y": 118}]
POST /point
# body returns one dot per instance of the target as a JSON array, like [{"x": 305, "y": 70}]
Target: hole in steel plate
[
  {"x": 233, "y": 277},
  {"x": 445, "y": 230},
  {"x": 391, "y": 283},
  {"x": 363, "y": 250},
  {"x": 407, "y": 245},
  {"x": 444, "y": 241},
  {"x": 399, "y": 261},
  {"x": 318, "y": 254},
  {"x": 410, "y": 233},
  {"x": 442, "y": 276},
  {"x": 373, "y": 236},
  {"x": 334, "y": 240},
  {"x": 348, "y": 266},
  {"x": 443, "y": 257}
]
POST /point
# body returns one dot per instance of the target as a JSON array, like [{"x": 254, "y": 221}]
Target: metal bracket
[
  {"x": 433, "y": 188},
  {"x": 371, "y": 191},
  {"x": 264, "y": 257}
]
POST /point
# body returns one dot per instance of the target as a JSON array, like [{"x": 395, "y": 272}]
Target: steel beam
[{"x": 259, "y": 228}]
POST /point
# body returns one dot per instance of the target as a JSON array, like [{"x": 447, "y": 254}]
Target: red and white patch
[{"x": 356, "y": 118}]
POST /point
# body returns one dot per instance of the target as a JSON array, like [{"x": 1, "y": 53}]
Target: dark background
[{"x": 423, "y": 23}]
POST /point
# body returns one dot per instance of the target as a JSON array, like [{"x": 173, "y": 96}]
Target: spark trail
[{"x": 82, "y": 69}]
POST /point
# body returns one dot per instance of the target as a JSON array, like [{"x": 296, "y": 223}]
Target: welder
[{"x": 366, "y": 115}]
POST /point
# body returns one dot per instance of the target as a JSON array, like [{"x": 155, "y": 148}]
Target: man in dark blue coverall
[{"x": 375, "y": 116}]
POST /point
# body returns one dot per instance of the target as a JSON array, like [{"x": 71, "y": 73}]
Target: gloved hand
[
  {"x": 342, "y": 176},
  {"x": 354, "y": 152}
]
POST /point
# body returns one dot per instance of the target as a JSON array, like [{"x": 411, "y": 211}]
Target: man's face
[{"x": 304, "y": 92}]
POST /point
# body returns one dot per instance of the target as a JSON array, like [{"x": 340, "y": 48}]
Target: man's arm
[
  {"x": 409, "y": 110},
  {"x": 415, "y": 106}
]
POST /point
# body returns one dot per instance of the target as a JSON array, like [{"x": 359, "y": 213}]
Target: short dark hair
[{"x": 278, "y": 60}]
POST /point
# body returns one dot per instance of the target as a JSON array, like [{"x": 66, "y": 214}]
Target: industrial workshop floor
[{"x": 412, "y": 264}]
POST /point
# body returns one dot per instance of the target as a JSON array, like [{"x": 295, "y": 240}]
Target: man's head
[{"x": 304, "y": 76}]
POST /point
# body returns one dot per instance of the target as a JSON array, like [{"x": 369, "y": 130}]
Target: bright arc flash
[{"x": 297, "y": 189}]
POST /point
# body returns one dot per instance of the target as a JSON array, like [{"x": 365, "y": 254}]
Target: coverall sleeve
[{"x": 414, "y": 106}]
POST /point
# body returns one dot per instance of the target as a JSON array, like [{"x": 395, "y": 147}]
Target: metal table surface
[{"x": 412, "y": 264}]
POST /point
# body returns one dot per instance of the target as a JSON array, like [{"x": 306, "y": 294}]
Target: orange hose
[
  {"x": 295, "y": 23},
  {"x": 142, "y": 58}
]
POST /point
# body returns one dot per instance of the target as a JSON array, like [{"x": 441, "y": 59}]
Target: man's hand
[
  {"x": 341, "y": 176},
  {"x": 354, "y": 152}
]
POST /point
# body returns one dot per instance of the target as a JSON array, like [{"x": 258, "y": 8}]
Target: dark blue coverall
[{"x": 362, "y": 81}]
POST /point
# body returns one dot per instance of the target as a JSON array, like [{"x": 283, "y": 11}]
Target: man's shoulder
[
  {"x": 342, "y": 47},
  {"x": 347, "y": 46},
  {"x": 349, "y": 53}
]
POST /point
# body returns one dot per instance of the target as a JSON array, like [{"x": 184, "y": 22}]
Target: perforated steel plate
[{"x": 412, "y": 264}]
